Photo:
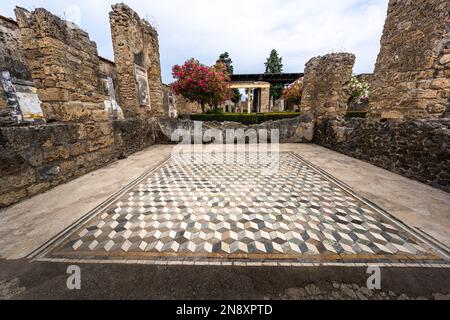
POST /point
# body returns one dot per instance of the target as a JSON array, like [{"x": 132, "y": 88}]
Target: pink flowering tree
[
  {"x": 202, "y": 84},
  {"x": 293, "y": 93}
]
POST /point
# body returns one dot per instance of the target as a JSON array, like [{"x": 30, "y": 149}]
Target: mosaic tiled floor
[{"x": 241, "y": 209}]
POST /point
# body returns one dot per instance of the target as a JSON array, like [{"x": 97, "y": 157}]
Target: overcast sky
[{"x": 248, "y": 29}]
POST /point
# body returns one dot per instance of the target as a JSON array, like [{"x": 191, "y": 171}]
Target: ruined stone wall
[
  {"x": 417, "y": 149},
  {"x": 38, "y": 157},
  {"x": 81, "y": 135},
  {"x": 412, "y": 73},
  {"x": 12, "y": 59},
  {"x": 108, "y": 69},
  {"x": 295, "y": 130},
  {"x": 324, "y": 84},
  {"x": 136, "y": 52},
  {"x": 65, "y": 67},
  {"x": 5, "y": 117}
]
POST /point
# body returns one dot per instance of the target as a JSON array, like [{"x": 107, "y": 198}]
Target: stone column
[
  {"x": 412, "y": 73},
  {"x": 249, "y": 100},
  {"x": 265, "y": 99},
  {"x": 325, "y": 92}
]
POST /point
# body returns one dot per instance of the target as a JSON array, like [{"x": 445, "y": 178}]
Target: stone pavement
[
  {"x": 20, "y": 279},
  {"x": 235, "y": 207},
  {"x": 325, "y": 220}
]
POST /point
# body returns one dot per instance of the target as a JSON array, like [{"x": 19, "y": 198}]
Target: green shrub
[
  {"x": 275, "y": 116},
  {"x": 232, "y": 117},
  {"x": 215, "y": 111},
  {"x": 356, "y": 114},
  {"x": 245, "y": 118}
]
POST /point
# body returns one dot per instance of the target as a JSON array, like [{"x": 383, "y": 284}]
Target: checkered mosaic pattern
[{"x": 245, "y": 207}]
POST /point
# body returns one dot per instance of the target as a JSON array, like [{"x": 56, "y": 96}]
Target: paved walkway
[{"x": 241, "y": 210}]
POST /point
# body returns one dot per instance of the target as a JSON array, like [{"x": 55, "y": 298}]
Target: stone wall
[
  {"x": 108, "y": 74},
  {"x": 12, "y": 57},
  {"x": 135, "y": 134},
  {"x": 412, "y": 73},
  {"x": 65, "y": 67},
  {"x": 297, "y": 130},
  {"x": 324, "y": 84},
  {"x": 136, "y": 52},
  {"x": 108, "y": 69},
  {"x": 418, "y": 149},
  {"x": 12, "y": 61},
  {"x": 81, "y": 134},
  {"x": 36, "y": 158},
  {"x": 5, "y": 116}
]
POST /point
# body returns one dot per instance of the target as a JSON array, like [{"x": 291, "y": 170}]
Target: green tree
[
  {"x": 236, "y": 96},
  {"x": 226, "y": 59},
  {"x": 274, "y": 64}
]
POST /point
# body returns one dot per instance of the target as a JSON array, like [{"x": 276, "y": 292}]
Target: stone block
[{"x": 53, "y": 95}]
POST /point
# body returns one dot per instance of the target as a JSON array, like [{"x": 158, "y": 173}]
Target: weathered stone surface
[
  {"x": 297, "y": 130},
  {"x": 5, "y": 117},
  {"x": 64, "y": 65},
  {"x": 418, "y": 149},
  {"x": 12, "y": 59},
  {"x": 110, "y": 83},
  {"x": 81, "y": 135},
  {"x": 411, "y": 77},
  {"x": 134, "y": 134},
  {"x": 136, "y": 47},
  {"x": 35, "y": 158},
  {"x": 325, "y": 91}
]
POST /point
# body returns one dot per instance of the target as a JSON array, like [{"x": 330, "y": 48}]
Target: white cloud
[{"x": 248, "y": 29}]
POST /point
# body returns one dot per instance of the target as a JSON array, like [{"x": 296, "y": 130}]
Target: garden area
[
  {"x": 245, "y": 118},
  {"x": 209, "y": 87}
]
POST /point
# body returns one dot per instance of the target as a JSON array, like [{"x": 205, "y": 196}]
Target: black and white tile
[{"x": 240, "y": 207}]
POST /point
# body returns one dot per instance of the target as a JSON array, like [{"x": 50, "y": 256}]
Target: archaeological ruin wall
[
  {"x": 136, "y": 53},
  {"x": 324, "y": 85},
  {"x": 406, "y": 131},
  {"x": 65, "y": 67},
  {"x": 417, "y": 149},
  {"x": 412, "y": 73},
  {"x": 110, "y": 86},
  {"x": 19, "y": 102},
  {"x": 83, "y": 122}
]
